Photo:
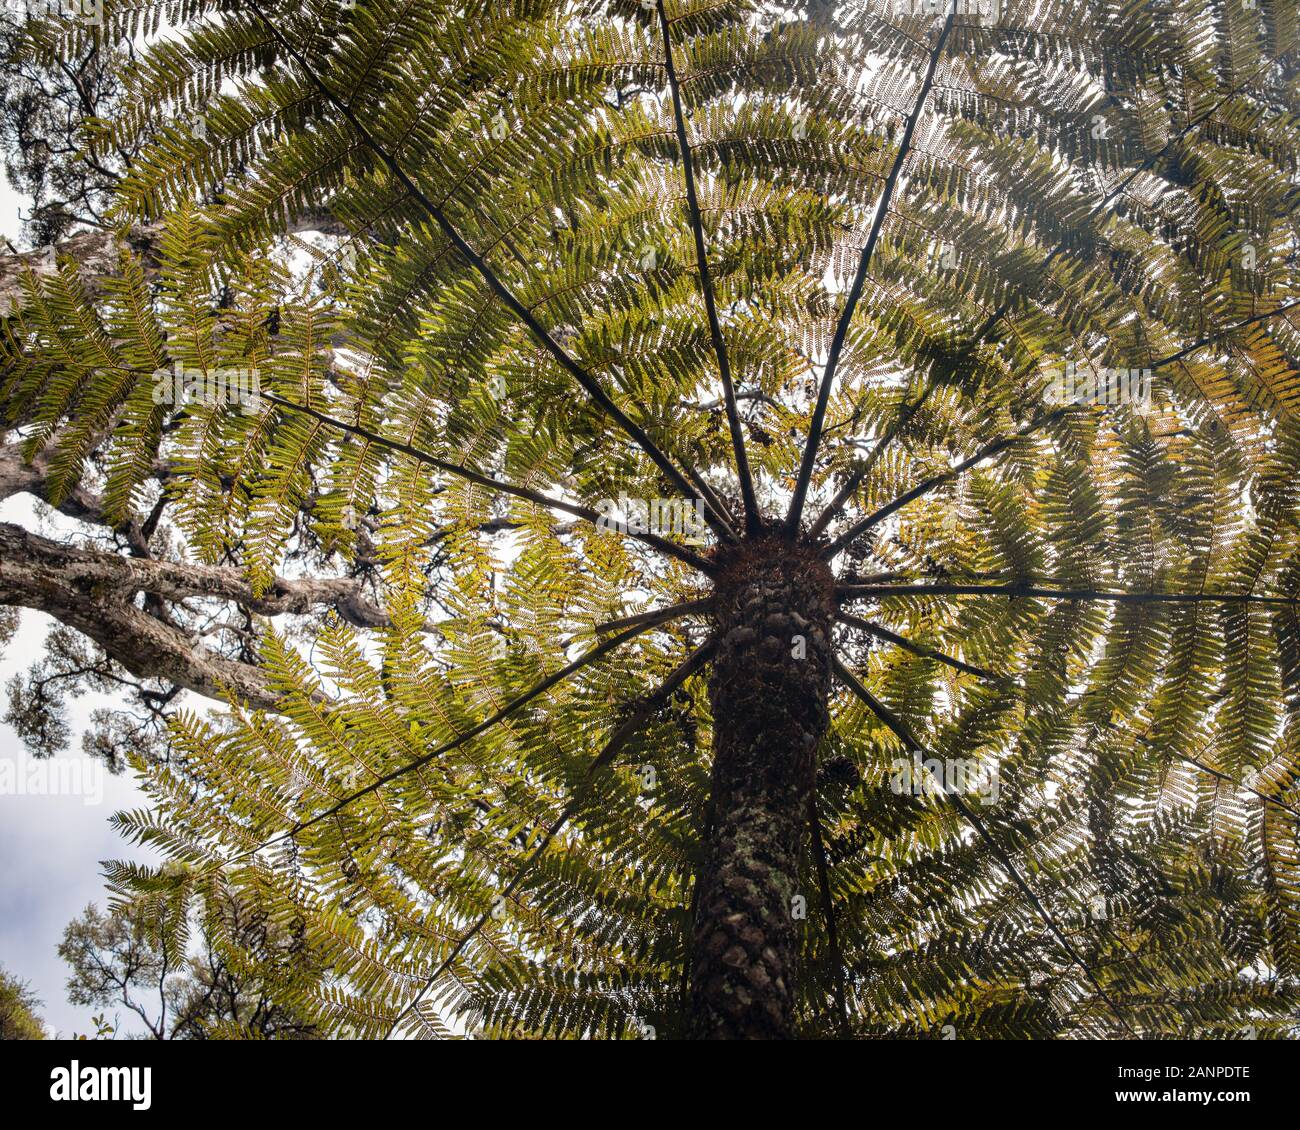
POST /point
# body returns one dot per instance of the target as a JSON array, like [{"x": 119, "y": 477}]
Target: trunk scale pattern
[{"x": 768, "y": 690}]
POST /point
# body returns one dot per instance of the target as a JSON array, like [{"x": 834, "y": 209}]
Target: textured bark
[
  {"x": 141, "y": 643},
  {"x": 769, "y": 690},
  {"x": 94, "y": 591},
  {"x": 20, "y": 476},
  {"x": 97, "y": 254},
  {"x": 110, "y": 575}
]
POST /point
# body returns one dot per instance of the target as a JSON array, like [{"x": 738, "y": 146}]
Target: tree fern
[{"x": 813, "y": 271}]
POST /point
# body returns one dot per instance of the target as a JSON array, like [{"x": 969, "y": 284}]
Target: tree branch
[
  {"x": 855, "y": 479},
  {"x": 476, "y": 477},
  {"x": 658, "y": 615},
  {"x": 918, "y": 649},
  {"x": 1025, "y": 589},
  {"x": 1210, "y": 339},
  {"x": 474, "y": 731},
  {"x": 93, "y": 594},
  {"x": 97, "y": 253},
  {"x": 110, "y": 575},
  {"x": 860, "y": 527},
  {"x": 18, "y": 476}
]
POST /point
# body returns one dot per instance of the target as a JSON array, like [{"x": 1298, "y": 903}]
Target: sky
[{"x": 51, "y": 846}]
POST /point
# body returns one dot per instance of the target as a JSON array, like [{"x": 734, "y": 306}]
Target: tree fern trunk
[{"x": 769, "y": 690}]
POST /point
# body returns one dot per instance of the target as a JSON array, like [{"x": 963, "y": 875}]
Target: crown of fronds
[{"x": 1111, "y": 183}]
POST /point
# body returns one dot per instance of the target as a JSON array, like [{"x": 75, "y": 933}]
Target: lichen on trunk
[{"x": 769, "y": 691}]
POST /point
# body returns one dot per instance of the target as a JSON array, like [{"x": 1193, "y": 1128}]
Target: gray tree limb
[
  {"x": 96, "y": 252},
  {"x": 94, "y": 592}
]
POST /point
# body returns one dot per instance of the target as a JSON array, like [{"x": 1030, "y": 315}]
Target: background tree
[
  {"x": 813, "y": 268},
  {"x": 57, "y": 93},
  {"x": 18, "y": 1005},
  {"x": 228, "y": 983},
  {"x": 50, "y": 98}
]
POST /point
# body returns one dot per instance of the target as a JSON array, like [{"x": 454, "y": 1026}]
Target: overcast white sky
[{"x": 50, "y": 846}]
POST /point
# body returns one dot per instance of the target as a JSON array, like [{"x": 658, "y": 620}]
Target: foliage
[
  {"x": 49, "y": 96},
  {"x": 229, "y": 982},
  {"x": 519, "y": 301},
  {"x": 18, "y": 1019}
]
